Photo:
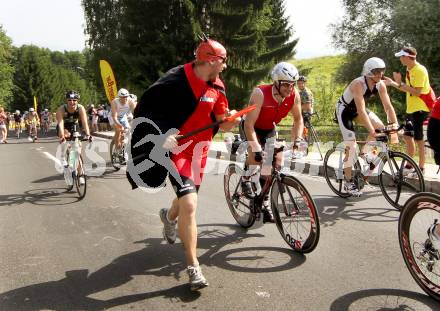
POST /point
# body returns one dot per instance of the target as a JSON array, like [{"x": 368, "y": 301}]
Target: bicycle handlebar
[{"x": 389, "y": 131}]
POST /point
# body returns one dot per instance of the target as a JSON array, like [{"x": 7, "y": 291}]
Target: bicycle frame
[
  {"x": 275, "y": 176},
  {"x": 74, "y": 149},
  {"x": 311, "y": 135}
]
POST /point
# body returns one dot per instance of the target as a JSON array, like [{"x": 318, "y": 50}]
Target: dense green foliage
[
  {"x": 48, "y": 75},
  {"x": 144, "y": 38},
  {"x": 6, "y": 69},
  {"x": 380, "y": 28}
]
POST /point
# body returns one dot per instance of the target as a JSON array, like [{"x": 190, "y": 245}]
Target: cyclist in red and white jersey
[{"x": 274, "y": 102}]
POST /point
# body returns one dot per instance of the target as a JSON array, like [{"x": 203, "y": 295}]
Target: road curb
[
  {"x": 315, "y": 168},
  {"x": 312, "y": 168}
]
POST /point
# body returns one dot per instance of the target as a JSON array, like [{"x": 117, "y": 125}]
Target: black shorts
[
  {"x": 262, "y": 135},
  {"x": 416, "y": 130},
  {"x": 187, "y": 186}
]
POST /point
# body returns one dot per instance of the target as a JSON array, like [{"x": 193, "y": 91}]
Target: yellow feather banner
[
  {"x": 108, "y": 79},
  {"x": 35, "y": 103}
]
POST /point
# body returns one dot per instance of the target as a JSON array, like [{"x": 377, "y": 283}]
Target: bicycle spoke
[
  {"x": 240, "y": 210},
  {"x": 421, "y": 257},
  {"x": 397, "y": 188},
  {"x": 295, "y": 214}
]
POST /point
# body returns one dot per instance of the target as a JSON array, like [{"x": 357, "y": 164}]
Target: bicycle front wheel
[
  {"x": 295, "y": 214},
  {"x": 421, "y": 257},
  {"x": 240, "y": 206},
  {"x": 334, "y": 171},
  {"x": 80, "y": 179},
  {"x": 68, "y": 174},
  {"x": 397, "y": 188}
]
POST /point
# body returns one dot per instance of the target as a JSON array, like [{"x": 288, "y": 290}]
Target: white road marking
[{"x": 51, "y": 157}]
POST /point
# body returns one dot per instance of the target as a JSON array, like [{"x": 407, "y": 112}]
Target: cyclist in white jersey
[
  {"x": 351, "y": 107},
  {"x": 122, "y": 106},
  {"x": 45, "y": 119}
]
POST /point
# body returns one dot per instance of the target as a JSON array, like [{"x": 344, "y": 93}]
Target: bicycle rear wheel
[
  {"x": 80, "y": 178},
  {"x": 115, "y": 157},
  {"x": 421, "y": 258},
  {"x": 295, "y": 214},
  {"x": 396, "y": 187},
  {"x": 240, "y": 206},
  {"x": 334, "y": 171}
]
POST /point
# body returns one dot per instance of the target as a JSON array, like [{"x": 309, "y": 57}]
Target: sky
[{"x": 59, "y": 24}]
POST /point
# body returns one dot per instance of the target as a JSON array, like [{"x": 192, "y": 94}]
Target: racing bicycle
[
  {"x": 119, "y": 157},
  {"x": 422, "y": 257},
  {"x": 74, "y": 172},
  {"x": 387, "y": 165},
  {"x": 292, "y": 206},
  {"x": 310, "y": 133}
]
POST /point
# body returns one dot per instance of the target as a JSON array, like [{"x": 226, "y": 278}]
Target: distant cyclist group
[{"x": 192, "y": 96}]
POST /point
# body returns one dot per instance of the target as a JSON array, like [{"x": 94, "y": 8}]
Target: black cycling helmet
[
  {"x": 302, "y": 78},
  {"x": 72, "y": 95}
]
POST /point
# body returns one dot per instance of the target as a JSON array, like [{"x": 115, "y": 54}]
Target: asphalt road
[{"x": 107, "y": 251}]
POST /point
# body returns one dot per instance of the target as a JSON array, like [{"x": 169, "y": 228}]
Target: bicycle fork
[{"x": 291, "y": 209}]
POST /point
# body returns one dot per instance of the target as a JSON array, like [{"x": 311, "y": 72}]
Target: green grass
[{"x": 321, "y": 72}]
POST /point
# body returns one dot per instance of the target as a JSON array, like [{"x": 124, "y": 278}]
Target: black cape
[{"x": 168, "y": 103}]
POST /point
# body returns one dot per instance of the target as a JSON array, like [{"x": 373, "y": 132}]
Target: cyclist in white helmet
[
  {"x": 122, "y": 106},
  {"x": 274, "y": 101},
  {"x": 351, "y": 107},
  {"x": 45, "y": 120}
]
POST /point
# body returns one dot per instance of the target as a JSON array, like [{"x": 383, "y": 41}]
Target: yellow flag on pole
[
  {"x": 35, "y": 103},
  {"x": 108, "y": 79}
]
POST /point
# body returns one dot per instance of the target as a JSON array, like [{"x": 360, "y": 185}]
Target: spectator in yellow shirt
[{"x": 416, "y": 83}]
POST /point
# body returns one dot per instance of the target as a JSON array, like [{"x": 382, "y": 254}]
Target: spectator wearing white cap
[{"x": 416, "y": 83}]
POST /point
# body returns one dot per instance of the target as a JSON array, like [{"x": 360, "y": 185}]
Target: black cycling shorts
[
  {"x": 185, "y": 188},
  {"x": 262, "y": 135},
  {"x": 417, "y": 118}
]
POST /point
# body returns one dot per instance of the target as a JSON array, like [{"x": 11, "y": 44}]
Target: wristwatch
[{"x": 401, "y": 84}]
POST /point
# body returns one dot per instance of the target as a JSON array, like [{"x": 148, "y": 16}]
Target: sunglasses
[
  {"x": 224, "y": 59},
  {"x": 287, "y": 83},
  {"x": 72, "y": 100},
  {"x": 378, "y": 71}
]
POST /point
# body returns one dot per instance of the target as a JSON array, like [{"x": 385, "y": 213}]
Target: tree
[
  {"x": 143, "y": 39},
  {"x": 6, "y": 69},
  {"x": 416, "y": 22},
  {"x": 47, "y": 76},
  {"x": 380, "y": 28},
  {"x": 256, "y": 34}
]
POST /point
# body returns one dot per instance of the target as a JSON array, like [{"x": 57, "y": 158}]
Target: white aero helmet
[
  {"x": 371, "y": 64},
  {"x": 31, "y": 109},
  {"x": 17, "y": 111},
  {"x": 285, "y": 72},
  {"x": 123, "y": 93}
]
